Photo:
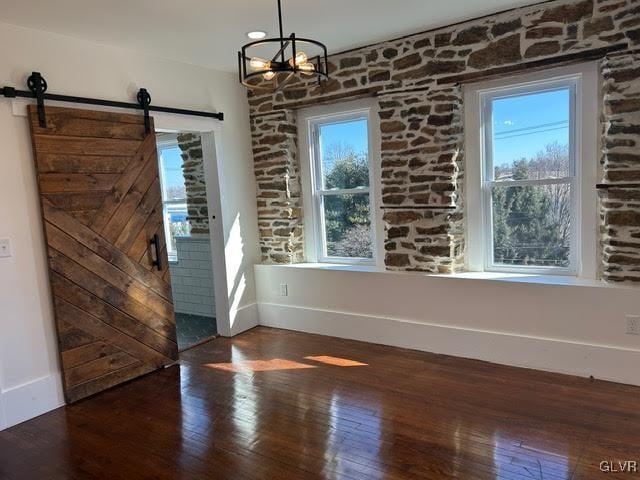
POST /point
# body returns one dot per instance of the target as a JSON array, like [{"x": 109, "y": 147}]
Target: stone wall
[
  {"x": 417, "y": 81},
  {"x": 276, "y": 167},
  {"x": 422, "y": 166},
  {"x": 620, "y": 206},
  {"x": 194, "y": 182}
]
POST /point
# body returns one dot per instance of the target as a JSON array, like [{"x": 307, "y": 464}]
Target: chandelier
[{"x": 261, "y": 69}]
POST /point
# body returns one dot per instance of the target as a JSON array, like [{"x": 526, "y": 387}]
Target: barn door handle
[{"x": 156, "y": 261}]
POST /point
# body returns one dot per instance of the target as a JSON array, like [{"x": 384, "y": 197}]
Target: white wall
[
  {"x": 29, "y": 382},
  {"x": 576, "y": 329},
  {"x": 192, "y": 277}
]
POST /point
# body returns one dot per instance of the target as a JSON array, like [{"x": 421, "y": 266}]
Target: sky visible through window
[
  {"x": 524, "y": 125},
  {"x": 172, "y": 169},
  {"x": 348, "y": 134}
]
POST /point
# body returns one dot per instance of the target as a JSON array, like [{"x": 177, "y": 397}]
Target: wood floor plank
[{"x": 357, "y": 411}]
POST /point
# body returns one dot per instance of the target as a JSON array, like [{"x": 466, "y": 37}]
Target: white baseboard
[
  {"x": 561, "y": 356},
  {"x": 30, "y": 400},
  {"x": 243, "y": 319}
]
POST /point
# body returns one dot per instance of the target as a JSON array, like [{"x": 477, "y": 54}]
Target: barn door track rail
[{"x": 38, "y": 87}]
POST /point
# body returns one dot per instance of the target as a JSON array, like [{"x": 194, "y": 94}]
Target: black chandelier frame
[{"x": 279, "y": 64}]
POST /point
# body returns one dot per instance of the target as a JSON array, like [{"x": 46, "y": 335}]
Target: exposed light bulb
[
  {"x": 307, "y": 68},
  {"x": 268, "y": 75},
  {"x": 301, "y": 59},
  {"x": 259, "y": 64}
]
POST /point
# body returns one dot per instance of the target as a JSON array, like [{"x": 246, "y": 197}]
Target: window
[
  {"x": 174, "y": 196},
  {"x": 530, "y": 211},
  {"x": 338, "y": 185}
]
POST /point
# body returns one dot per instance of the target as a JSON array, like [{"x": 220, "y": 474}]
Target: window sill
[
  {"x": 529, "y": 278},
  {"x": 561, "y": 280},
  {"x": 345, "y": 267}
]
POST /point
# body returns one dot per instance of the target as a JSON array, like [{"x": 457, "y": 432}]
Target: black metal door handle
[{"x": 155, "y": 243}]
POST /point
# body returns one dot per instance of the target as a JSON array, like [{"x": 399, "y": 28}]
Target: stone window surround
[{"x": 552, "y": 33}]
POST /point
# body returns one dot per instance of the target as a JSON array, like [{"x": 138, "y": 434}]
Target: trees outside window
[
  {"x": 340, "y": 168},
  {"x": 529, "y": 169}
]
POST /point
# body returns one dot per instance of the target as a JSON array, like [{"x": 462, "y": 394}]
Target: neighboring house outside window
[
  {"x": 338, "y": 150},
  {"x": 531, "y": 143},
  {"x": 174, "y": 197}
]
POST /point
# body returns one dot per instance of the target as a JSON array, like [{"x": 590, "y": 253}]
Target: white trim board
[
  {"x": 581, "y": 359},
  {"x": 243, "y": 319},
  {"x": 30, "y": 400}
]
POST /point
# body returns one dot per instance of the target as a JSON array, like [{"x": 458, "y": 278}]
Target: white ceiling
[{"x": 208, "y": 33}]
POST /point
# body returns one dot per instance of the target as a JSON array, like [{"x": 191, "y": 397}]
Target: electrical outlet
[
  {"x": 5, "y": 248},
  {"x": 284, "y": 290},
  {"x": 633, "y": 324}
]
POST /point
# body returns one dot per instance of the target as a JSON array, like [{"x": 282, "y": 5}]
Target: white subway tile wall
[{"x": 192, "y": 277}]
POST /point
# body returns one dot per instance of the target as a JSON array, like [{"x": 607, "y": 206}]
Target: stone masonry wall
[
  {"x": 417, "y": 82},
  {"x": 194, "y": 182},
  {"x": 620, "y": 206},
  {"x": 422, "y": 166},
  {"x": 276, "y": 167}
]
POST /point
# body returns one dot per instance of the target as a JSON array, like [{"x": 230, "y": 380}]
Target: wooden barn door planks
[{"x": 101, "y": 204}]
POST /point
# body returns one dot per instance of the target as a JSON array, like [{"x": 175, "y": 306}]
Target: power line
[
  {"x": 530, "y": 133},
  {"x": 561, "y": 122}
]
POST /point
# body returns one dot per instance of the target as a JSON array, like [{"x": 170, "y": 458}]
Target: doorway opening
[{"x": 187, "y": 230}]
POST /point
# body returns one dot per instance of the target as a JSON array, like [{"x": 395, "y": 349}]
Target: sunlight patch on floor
[
  {"x": 248, "y": 366},
  {"x": 260, "y": 365},
  {"x": 338, "y": 362}
]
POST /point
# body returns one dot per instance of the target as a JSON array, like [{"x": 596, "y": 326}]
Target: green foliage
[
  {"x": 347, "y": 221},
  {"x": 531, "y": 223}
]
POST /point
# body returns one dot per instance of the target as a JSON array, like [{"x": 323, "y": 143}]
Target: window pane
[
  {"x": 347, "y": 225},
  {"x": 176, "y": 220},
  {"x": 344, "y": 154},
  {"x": 532, "y": 225},
  {"x": 172, "y": 176},
  {"x": 531, "y": 135}
]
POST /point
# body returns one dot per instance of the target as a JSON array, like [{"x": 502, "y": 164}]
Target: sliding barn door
[{"x": 101, "y": 204}]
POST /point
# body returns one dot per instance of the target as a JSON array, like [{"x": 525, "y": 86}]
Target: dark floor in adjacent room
[
  {"x": 273, "y": 404},
  {"x": 193, "y": 329}
]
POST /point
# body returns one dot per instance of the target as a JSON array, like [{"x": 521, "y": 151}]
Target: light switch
[{"x": 5, "y": 248}]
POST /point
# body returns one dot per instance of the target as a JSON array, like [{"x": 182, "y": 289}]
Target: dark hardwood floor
[{"x": 272, "y": 404}]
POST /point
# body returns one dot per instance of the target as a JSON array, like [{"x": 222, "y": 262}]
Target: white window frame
[
  {"x": 166, "y": 144},
  {"x": 582, "y": 82},
  {"x": 313, "y": 193}
]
